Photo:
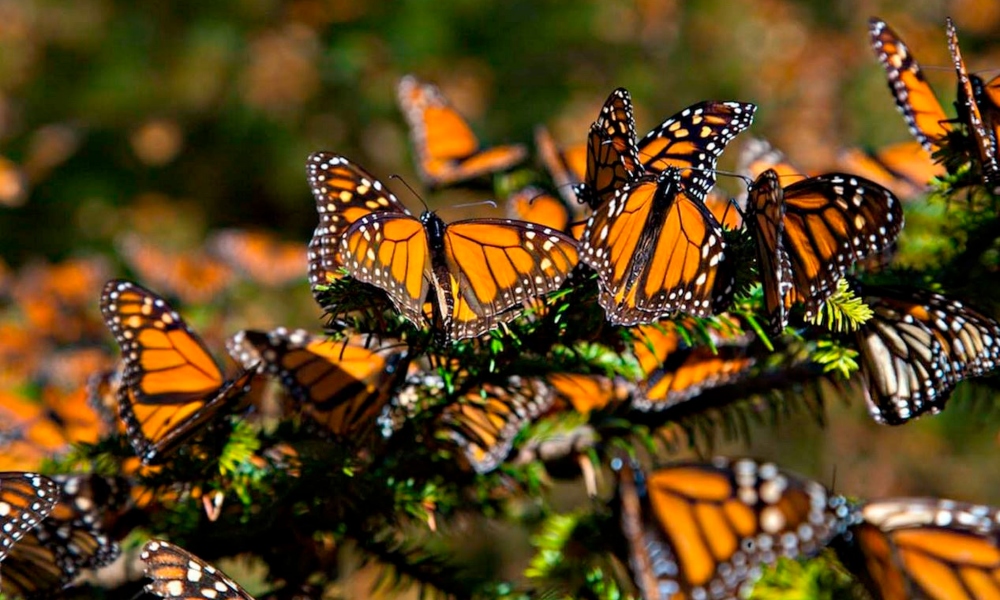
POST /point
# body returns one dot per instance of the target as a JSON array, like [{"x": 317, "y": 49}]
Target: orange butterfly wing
[
  {"x": 566, "y": 166},
  {"x": 703, "y": 530},
  {"x": 193, "y": 277},
  {"x": 171, "y": 384},
  {"x": 903, "y": 168},
  {"x": 447, "y": 150},
  {"x": 495, "y": 265},
  {"x": 176, "y": 573},
  {"x": 344, "y": 385},
  {"x": 768, "y": 215},
  {"x": 612, "y": 155},
  {"x": 914, "y": 97},
  {"x": 27, "y": 499},
  {"x": 656, "y": 251},
  {"x": 260, "y": 256},
  {"x": 758, "y": 155},
  {"x": 344, "y": 193},
  {"x": 533, "y": 205}
]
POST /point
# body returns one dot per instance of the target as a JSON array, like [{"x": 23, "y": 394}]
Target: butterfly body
[{"x": 656, "y": 251}]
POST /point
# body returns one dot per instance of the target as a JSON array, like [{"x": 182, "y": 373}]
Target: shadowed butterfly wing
[
  {"x": 447, "y": 150},
  {"x": 176, "y": 573},
  {"x": 343, "y": 385},
  {"x": 656, "y": 251},
  {"x": 389, "y": 250},
  {"x": 171, "y": 384},
  {"x": 612, "y": 155},
  {"x": 344, "y": 193},
  {"x": 260, "y": 256},
  {"x": 26, "y": 499},
  {"x": 925, "y": 548},
  {"x": 703, "y": 530},
  {"x": 917, "y": 347},
  {"x": 767, "y": 213},
  {"x": 969, "y": 98},
  {"x": 832, "y": 221},
  {"x": 484, "y": 422},
  {"x": 693, "y": 140},
  {"x": 496, "y": 265},
  {"x": 914, "y": 97}
]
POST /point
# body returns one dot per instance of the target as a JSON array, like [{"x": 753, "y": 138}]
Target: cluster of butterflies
[{"x": 642, "y": 215}]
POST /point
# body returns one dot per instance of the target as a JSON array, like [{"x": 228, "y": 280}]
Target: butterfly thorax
[
  {"x": 434, "y": 228},
  {"x": 668, "y": 186}
]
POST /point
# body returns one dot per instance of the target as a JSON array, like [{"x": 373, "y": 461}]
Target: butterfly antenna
[
  {"x": 412, "y": 191},
  {"x": 477, "y": 203}
]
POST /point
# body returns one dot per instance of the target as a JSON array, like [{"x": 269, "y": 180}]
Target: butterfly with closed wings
[
  {"x": 811, "y": 232},
  {"x": 171, "y": 385},
  {"x": 26, "y": 499},
  {"x": 448, "y": 152},
  {"x": 481, "y": 271},
  {"x": 915, "y": 349},
  {"x": 343, "y": 385}
]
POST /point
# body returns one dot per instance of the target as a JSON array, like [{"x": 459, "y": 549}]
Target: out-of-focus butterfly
[
  {"x": 916, "y": 347},
  {"x": 914, "y": 97},
  {"x": 171, "y": 384},
  {"x": 657, "y": 250},
  {"x": 14, "y": 186},
  {"x": 447, "y": 150},
  {"x": 32, "y": 430},
  {"x": 758, "y": 155},
  {"x": 925, "y": 548},
  {"x": 72, "y": 539},
  {"x": 534, "y": 205},
  {"x": 674, "y": 372},
  {"x": 260, "y": 256},
  {"x": 586, "y": 393},
  {"x": 810, "y": 233},
  {"x": 481, "y": 271},
  {"x": 567, "y": 166},
  {"x": 176, "y": 573},
  {"x": 980, "y": 112},
  {"x": 485, "y": 421},
  {"x": 903, "y": 168},
  {"x": 343, "y": 385},
  {"x": 193, "y": 277},
  {"x": 703, "y": 530},
  {"x": 690, "y": 141},
  {"x": 27, "y": 499},
  {"x": 53, "y": 298}
]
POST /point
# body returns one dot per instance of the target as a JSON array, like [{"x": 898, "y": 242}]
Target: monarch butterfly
[
  {"x": 53, "y": 298},
  {"x": 914, "y": 97},
  {"x": 33, "y": 431},
  {"x": 691, "y": 141},
  {"x": 171, "y": 384},
  {"x": 72, "y": 539},
  {"x": 703, "y": 530},
  {"x": 176, "y": 573},
  {"x": 343, "y": 385},
  {"x": 193, "y": 277},
  {"x": 674, "y": 372},
  {"x": 26, "y": 499},
  {"x": 533, "y": 205},
  {"x": 447, "y": 150},
  {"x": 567, "y": 166},
  {"x": 725, "y": 211},
  {"x": 925, "y": 548},
  {"x": 980, "y": 113},
  {"x": 481, "y": 270},
  {"x": 916, "y": 347},
  {"x": 485, "y": 421},
  {"x": 656, "y": 250},
  {"x": 587, "y": 393},
  {"x": 260, "y": 256},
  {"x": 903, "y": 168},
  {"x": 809, "y": 233}
]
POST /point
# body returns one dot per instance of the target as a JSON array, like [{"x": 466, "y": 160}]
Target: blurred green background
[{"x": 175, "y": 118}]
